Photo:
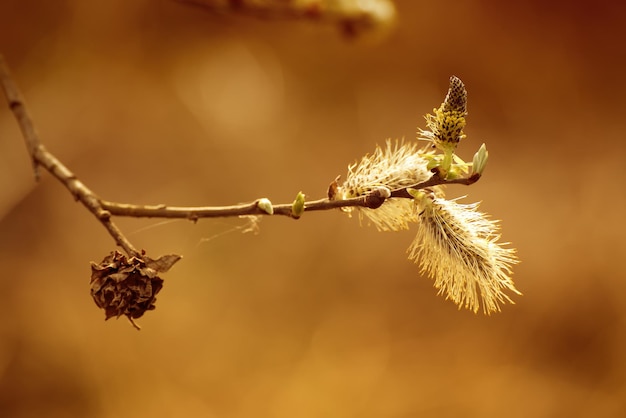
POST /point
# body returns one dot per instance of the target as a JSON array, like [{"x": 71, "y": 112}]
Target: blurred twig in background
[{"x": 352, "y": 16}]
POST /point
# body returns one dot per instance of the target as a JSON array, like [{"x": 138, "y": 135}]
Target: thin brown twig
[
  {"x": 103, "y": 209},
  {"x": 248, "y": 209},
  {"x": 42, "y": 157}
]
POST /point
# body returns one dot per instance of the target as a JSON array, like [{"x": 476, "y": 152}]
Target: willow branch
[
  {"x": 193, "y": 213},
  {"x": 41, "y": 157},
  {"x": 246, "y": 209},
  {"x": 352, "y": 17},
  {"x": 103, "y": 210}
]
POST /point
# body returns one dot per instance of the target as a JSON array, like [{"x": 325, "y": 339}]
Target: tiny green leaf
[
  {"x": 417, "y": 194},
  {"x": 297, "y": 209},
  {"x": 435, "y": 161},
  {"x": 480, "y": 160}
]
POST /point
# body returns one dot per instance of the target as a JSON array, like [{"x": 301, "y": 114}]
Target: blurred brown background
[{"x": 156, "y": 102}]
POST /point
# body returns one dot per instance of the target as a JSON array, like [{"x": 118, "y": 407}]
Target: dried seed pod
[{"x": 128, "y": 286}]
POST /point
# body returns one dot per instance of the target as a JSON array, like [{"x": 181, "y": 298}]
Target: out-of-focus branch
[
  {"x": 16, "y": 104},
  {"x": 353, "y": 17}
]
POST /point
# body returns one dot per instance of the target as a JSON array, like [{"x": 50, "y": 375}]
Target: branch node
[
  {"x": 377, "y": 197},
  {"x": 473, "y": 178}
]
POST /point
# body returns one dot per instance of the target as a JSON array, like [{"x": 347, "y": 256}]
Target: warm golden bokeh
[{"x": 156, "y": 102}]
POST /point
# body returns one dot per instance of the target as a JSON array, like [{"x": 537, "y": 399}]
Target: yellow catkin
[
  {"x": 456, "y": 245},
  {"x": 395, "y": 166},
  {"x": 445, "y": 126}
]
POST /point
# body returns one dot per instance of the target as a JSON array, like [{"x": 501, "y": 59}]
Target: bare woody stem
[
  {"x": 41, "y": 157},
  {"x": 103, "y": 210},
  {"x": 194, "y": 213}
]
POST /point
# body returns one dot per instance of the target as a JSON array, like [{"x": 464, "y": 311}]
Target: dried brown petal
[
  {"x": 333, "y": 189},
  {"x": 128, "y": 286},
  {"x": 163, "y": 263}
]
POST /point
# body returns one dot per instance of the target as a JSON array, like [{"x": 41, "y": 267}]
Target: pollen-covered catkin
[
  {"x": 457, "y": 246},
  {"x": 398, "y": 165},
  {"x": 446, "y": 124}
]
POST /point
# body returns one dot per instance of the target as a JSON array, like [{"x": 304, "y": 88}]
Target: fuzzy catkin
[
  {"x": 457, "y": 246},
  {"x": 398, "y": 165}
]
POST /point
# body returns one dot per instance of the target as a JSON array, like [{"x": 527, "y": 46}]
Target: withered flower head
[{"x": 128, "y": 286}]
